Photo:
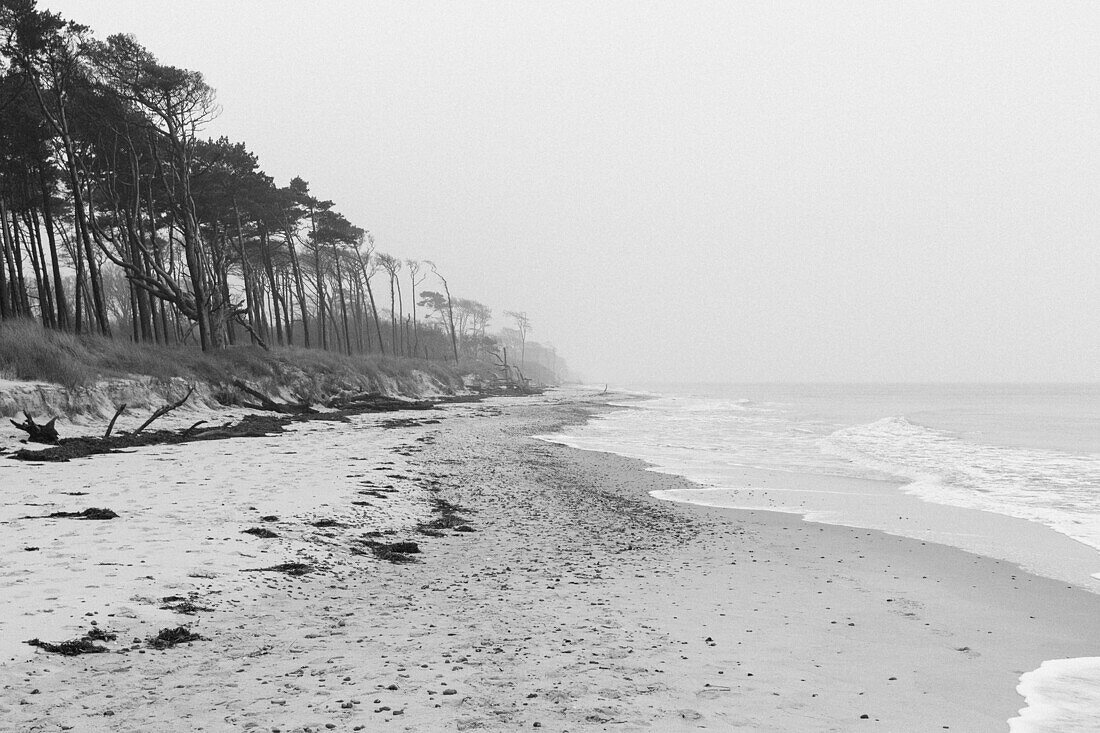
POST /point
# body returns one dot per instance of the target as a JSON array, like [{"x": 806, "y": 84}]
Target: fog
[{"x": 728, "y": 191}]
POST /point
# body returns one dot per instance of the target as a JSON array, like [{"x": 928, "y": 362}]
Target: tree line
[{"x": 118, "y": 217}]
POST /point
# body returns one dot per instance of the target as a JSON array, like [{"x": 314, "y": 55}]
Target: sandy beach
[{"x": 578, "y": 602}]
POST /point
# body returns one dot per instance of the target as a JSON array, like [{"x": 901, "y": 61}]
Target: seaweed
[
  {"x": 290, "y": 568},
  {"x": 98, "y": 634},
  {"x": 76, "y": 647},
  {"x": 71, "y": 648},
  {"x": 182, "y": 605},
  {"x": 449, "y": 518},
  {"x": 168, "y": 638},
  {"x": 395, "y": 552},
  {"x": 327, "y": 523},
  {"x": 89, "y": 513}
]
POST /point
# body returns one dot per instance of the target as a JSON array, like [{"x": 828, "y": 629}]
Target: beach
[{"x": 577, "y": 602}]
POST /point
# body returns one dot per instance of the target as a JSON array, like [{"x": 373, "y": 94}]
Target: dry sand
[{"x": 580, "y": 603}]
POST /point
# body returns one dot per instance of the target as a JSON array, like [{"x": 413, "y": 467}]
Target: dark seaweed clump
[
  {"x": 179, "y": 604},
  {"x": 448, "y": 518},
  {"x": 327, "y": 523},
  {"x": 290, "y": 568},
  {"x": 89, "y": 513},
  {"x": 395, "y": 552},
  {"x": 168, "y": 638},
  {"x": 69, "y": 648},
  {"x": 76, "y": 647}
]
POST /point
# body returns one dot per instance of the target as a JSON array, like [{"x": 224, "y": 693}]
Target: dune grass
[{"x": 30, "y": 352}]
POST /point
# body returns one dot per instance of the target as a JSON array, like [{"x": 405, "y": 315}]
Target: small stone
[{"x": 450, "y": 691}]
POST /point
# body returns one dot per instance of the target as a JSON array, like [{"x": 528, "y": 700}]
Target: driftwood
[
  {"x": 270, "y": 405},
  {"x": 192, "y": 428},
  {"x": 38, "y": 433},
  {"x": 111, "y": 425},
  {"x": 375, "y": 402},
  {"x": 162, "y": 411},
  {"x": 251, "y": 426}
]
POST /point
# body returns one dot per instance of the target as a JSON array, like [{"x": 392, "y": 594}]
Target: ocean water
[
  {"x": 1026, "y": 452},
  {"x": 1009, "y": 471}
]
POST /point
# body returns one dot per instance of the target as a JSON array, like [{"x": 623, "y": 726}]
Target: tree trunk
[
  {"x": 60, "y": 304},
  {"x": 17, "y": 276},
  {"x": 5, "y": 245},
  {"x": 299, "y": 283},
  {"x": 343, "y": 301},
  {"x": 269, "y": 270}
]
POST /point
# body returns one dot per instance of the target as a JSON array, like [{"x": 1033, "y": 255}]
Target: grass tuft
[{"x": 30, "y": 352}]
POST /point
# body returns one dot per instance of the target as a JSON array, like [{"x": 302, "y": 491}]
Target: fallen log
[
  {"x": 38, "y": 433},
  {"x": 270, "y": 405},
  {"x": 162, "y": 411},
  {"x": 373, "y": 402},
  {"x": 251, "y": 426},
  {"x": 192, "y": 428}
]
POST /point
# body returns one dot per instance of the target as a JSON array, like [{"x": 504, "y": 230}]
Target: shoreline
[
  {"x": 580, "y": 602},
  {"x": 985, "y": 586},
  {"x": 891, "y": 504}
]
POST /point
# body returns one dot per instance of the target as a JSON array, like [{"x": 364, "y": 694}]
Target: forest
[{"x": 118, "y": 217}]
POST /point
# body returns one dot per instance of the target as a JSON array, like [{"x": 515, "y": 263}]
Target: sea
[{"x": 1007, "y": 471}]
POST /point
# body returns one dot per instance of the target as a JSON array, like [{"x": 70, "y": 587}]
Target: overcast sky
[{"x": 689, "y": 191}]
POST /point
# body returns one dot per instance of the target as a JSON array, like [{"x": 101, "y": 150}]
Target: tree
[
  {"x": 523, "y": 325},
  {"x": 332, "y": 229},
  {"x": 392, "y": 266},
  {"x": 413, "y": 267},
  {"x": 50, "y": 53},
  {"x": 366, "y": 266},
  {"x": 450, "y": 307},
  {"x": 177, "y": 103}
]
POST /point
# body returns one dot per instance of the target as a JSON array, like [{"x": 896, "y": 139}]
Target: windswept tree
[
  {"x": 28, "y": 180},
  {"x": 51, "y": 55},
  {"x": 332, "y": 231},
  {"x": 314, "y": 206},
  {"x": 450, "y": 307},
  {"x": 392, "y": 266},
  {"x": 289, "y": 214},
  {"x": 118, "y": 215},
  {"x": 367, "y": 266},
  {"x": 523, "y": 326},
  {"x": 177, "y": 104},
  {"x": 414, "y": 268}
]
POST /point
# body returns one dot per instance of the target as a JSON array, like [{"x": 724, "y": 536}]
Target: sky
[{"x": 696, "y": 191}]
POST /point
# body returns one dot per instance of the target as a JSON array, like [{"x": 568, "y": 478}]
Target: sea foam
[
  {"x": 1053, "y": 488},
  {"x": 1062, "y": 696}
]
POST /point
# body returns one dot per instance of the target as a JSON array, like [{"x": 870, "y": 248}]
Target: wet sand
[{"x": 579, "y": 603}]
